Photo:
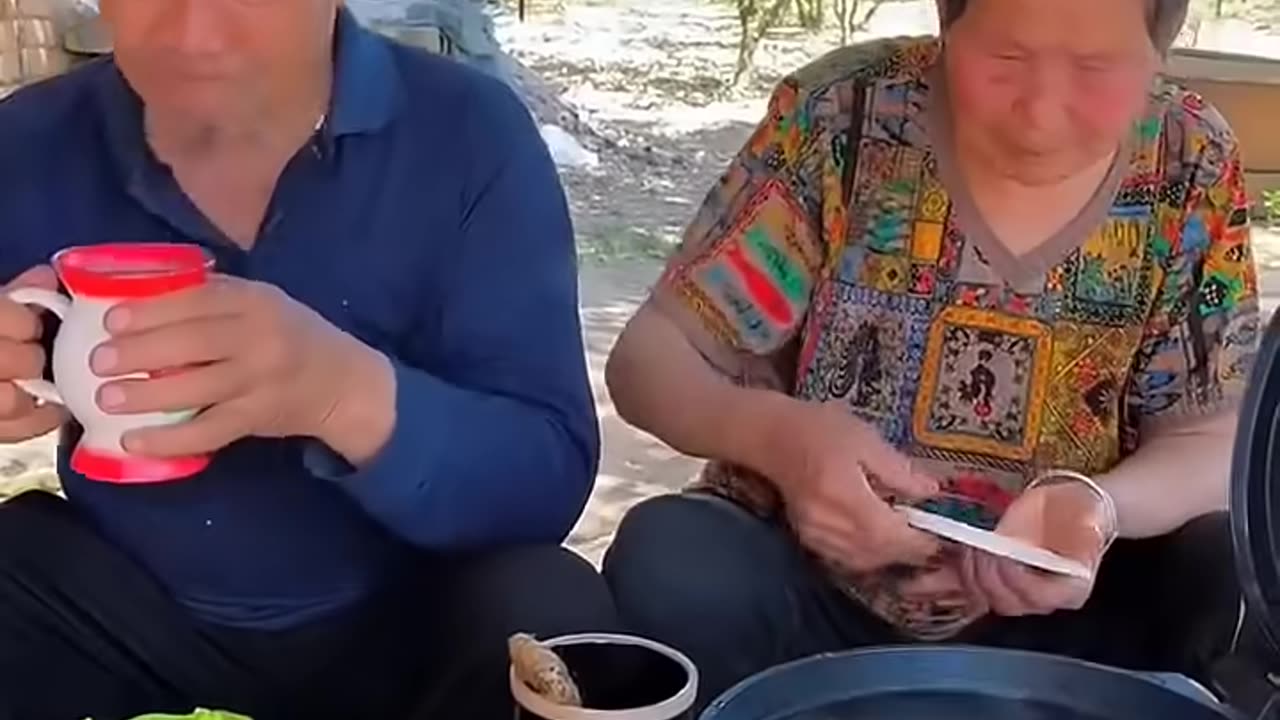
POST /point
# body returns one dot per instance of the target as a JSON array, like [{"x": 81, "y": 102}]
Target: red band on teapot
[
  {"x": 132, "y": 270},
  {"x": 133, "y": 469}
]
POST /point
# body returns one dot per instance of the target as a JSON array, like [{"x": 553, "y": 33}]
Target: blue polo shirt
[{"x": 425, "y": 218}]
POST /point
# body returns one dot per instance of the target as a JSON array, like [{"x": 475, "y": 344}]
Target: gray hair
[{"x": 1164, "y": 18}]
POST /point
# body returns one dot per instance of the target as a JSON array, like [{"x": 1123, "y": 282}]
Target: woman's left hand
[{"x": 1068, "y": 518}]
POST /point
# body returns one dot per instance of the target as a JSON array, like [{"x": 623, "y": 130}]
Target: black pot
[
  {"x": 961, "y": 683},
  {"x": 1255, "y": 492}
]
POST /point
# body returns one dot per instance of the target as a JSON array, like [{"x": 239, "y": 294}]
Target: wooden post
[{"x": 520, "y": 10}]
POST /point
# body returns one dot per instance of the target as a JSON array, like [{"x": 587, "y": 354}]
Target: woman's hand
[
  {"x": 1068, "y": 518},
  {"x": 836, "y": 475}
]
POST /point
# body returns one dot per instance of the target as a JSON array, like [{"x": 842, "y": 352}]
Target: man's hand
[
  {"x": 836, "y": 474},
  {"x": 1068, "y": 519},
  {"x": 22, "y": 358},
  {"x": 255, "y": 361}
]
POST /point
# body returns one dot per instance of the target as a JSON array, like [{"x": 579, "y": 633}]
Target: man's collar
[
  {"x": 366, "y": 94},
  {"x": 366, "y": 82}
]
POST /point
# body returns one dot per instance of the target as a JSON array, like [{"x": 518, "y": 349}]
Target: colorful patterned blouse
[{"x": 838, "y": 260}]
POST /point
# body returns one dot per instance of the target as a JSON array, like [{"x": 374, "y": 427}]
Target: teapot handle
[{"x": 59, "y": 305}]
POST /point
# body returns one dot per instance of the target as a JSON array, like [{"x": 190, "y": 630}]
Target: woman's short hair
[{"x": 1164, "y": 18}]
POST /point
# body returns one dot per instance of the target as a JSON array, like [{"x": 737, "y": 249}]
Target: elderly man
[
  {"x": 397, "y": 405},
  {"x": 1004, "y": 275}
]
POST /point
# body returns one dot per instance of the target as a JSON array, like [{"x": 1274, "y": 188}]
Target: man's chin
[{"x": 193, "y": 112}]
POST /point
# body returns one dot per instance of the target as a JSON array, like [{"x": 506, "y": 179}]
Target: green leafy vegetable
[{"x": 200, "y": 714}]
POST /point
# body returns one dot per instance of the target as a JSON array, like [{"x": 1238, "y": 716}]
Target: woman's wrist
[
  {"x": 1109, "y": 521},
  {"x": 765, "y": 428}
]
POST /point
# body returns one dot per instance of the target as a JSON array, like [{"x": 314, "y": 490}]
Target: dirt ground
[{"x": 650, "y": 78}]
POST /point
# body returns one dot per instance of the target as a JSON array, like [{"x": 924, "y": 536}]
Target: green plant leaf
[{"x": 200, "y": 714}]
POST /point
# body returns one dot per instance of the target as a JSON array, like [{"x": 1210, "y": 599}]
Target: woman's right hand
[
  {"x": 22, "y": 358},
  {"x": 838, "y": 478}
]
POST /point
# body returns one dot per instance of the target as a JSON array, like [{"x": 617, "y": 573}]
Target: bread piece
[{"x": 543, "y": 671}]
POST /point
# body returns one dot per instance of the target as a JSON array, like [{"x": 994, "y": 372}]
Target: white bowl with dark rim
[{"x": 621, "y": 677}]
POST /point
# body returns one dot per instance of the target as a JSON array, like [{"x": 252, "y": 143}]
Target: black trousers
[
  {"x": 85, "y": 632},
  {"x": 739, "y": 596}
]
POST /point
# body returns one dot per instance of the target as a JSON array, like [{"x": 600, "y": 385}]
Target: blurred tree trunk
[
  {"x": 812, "y": 14},
  {"x": 844, "y": 10},
  {"x": 753, "y": 23},
  {"x": 848, "y": 18},
  {"x": 757, "y": 17}
]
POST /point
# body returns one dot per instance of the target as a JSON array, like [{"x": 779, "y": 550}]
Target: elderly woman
[{"x": 1004, "y": 275}]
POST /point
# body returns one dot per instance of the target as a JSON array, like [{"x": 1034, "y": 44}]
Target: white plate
[{"x": 1003, "y": 546}]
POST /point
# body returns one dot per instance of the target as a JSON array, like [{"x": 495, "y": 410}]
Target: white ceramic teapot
[{"x": 97, "y": 277}]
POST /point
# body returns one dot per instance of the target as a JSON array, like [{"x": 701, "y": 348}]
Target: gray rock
[
  {"x": 459, "y": 28},
  {"x": 463, "y": 29}
]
